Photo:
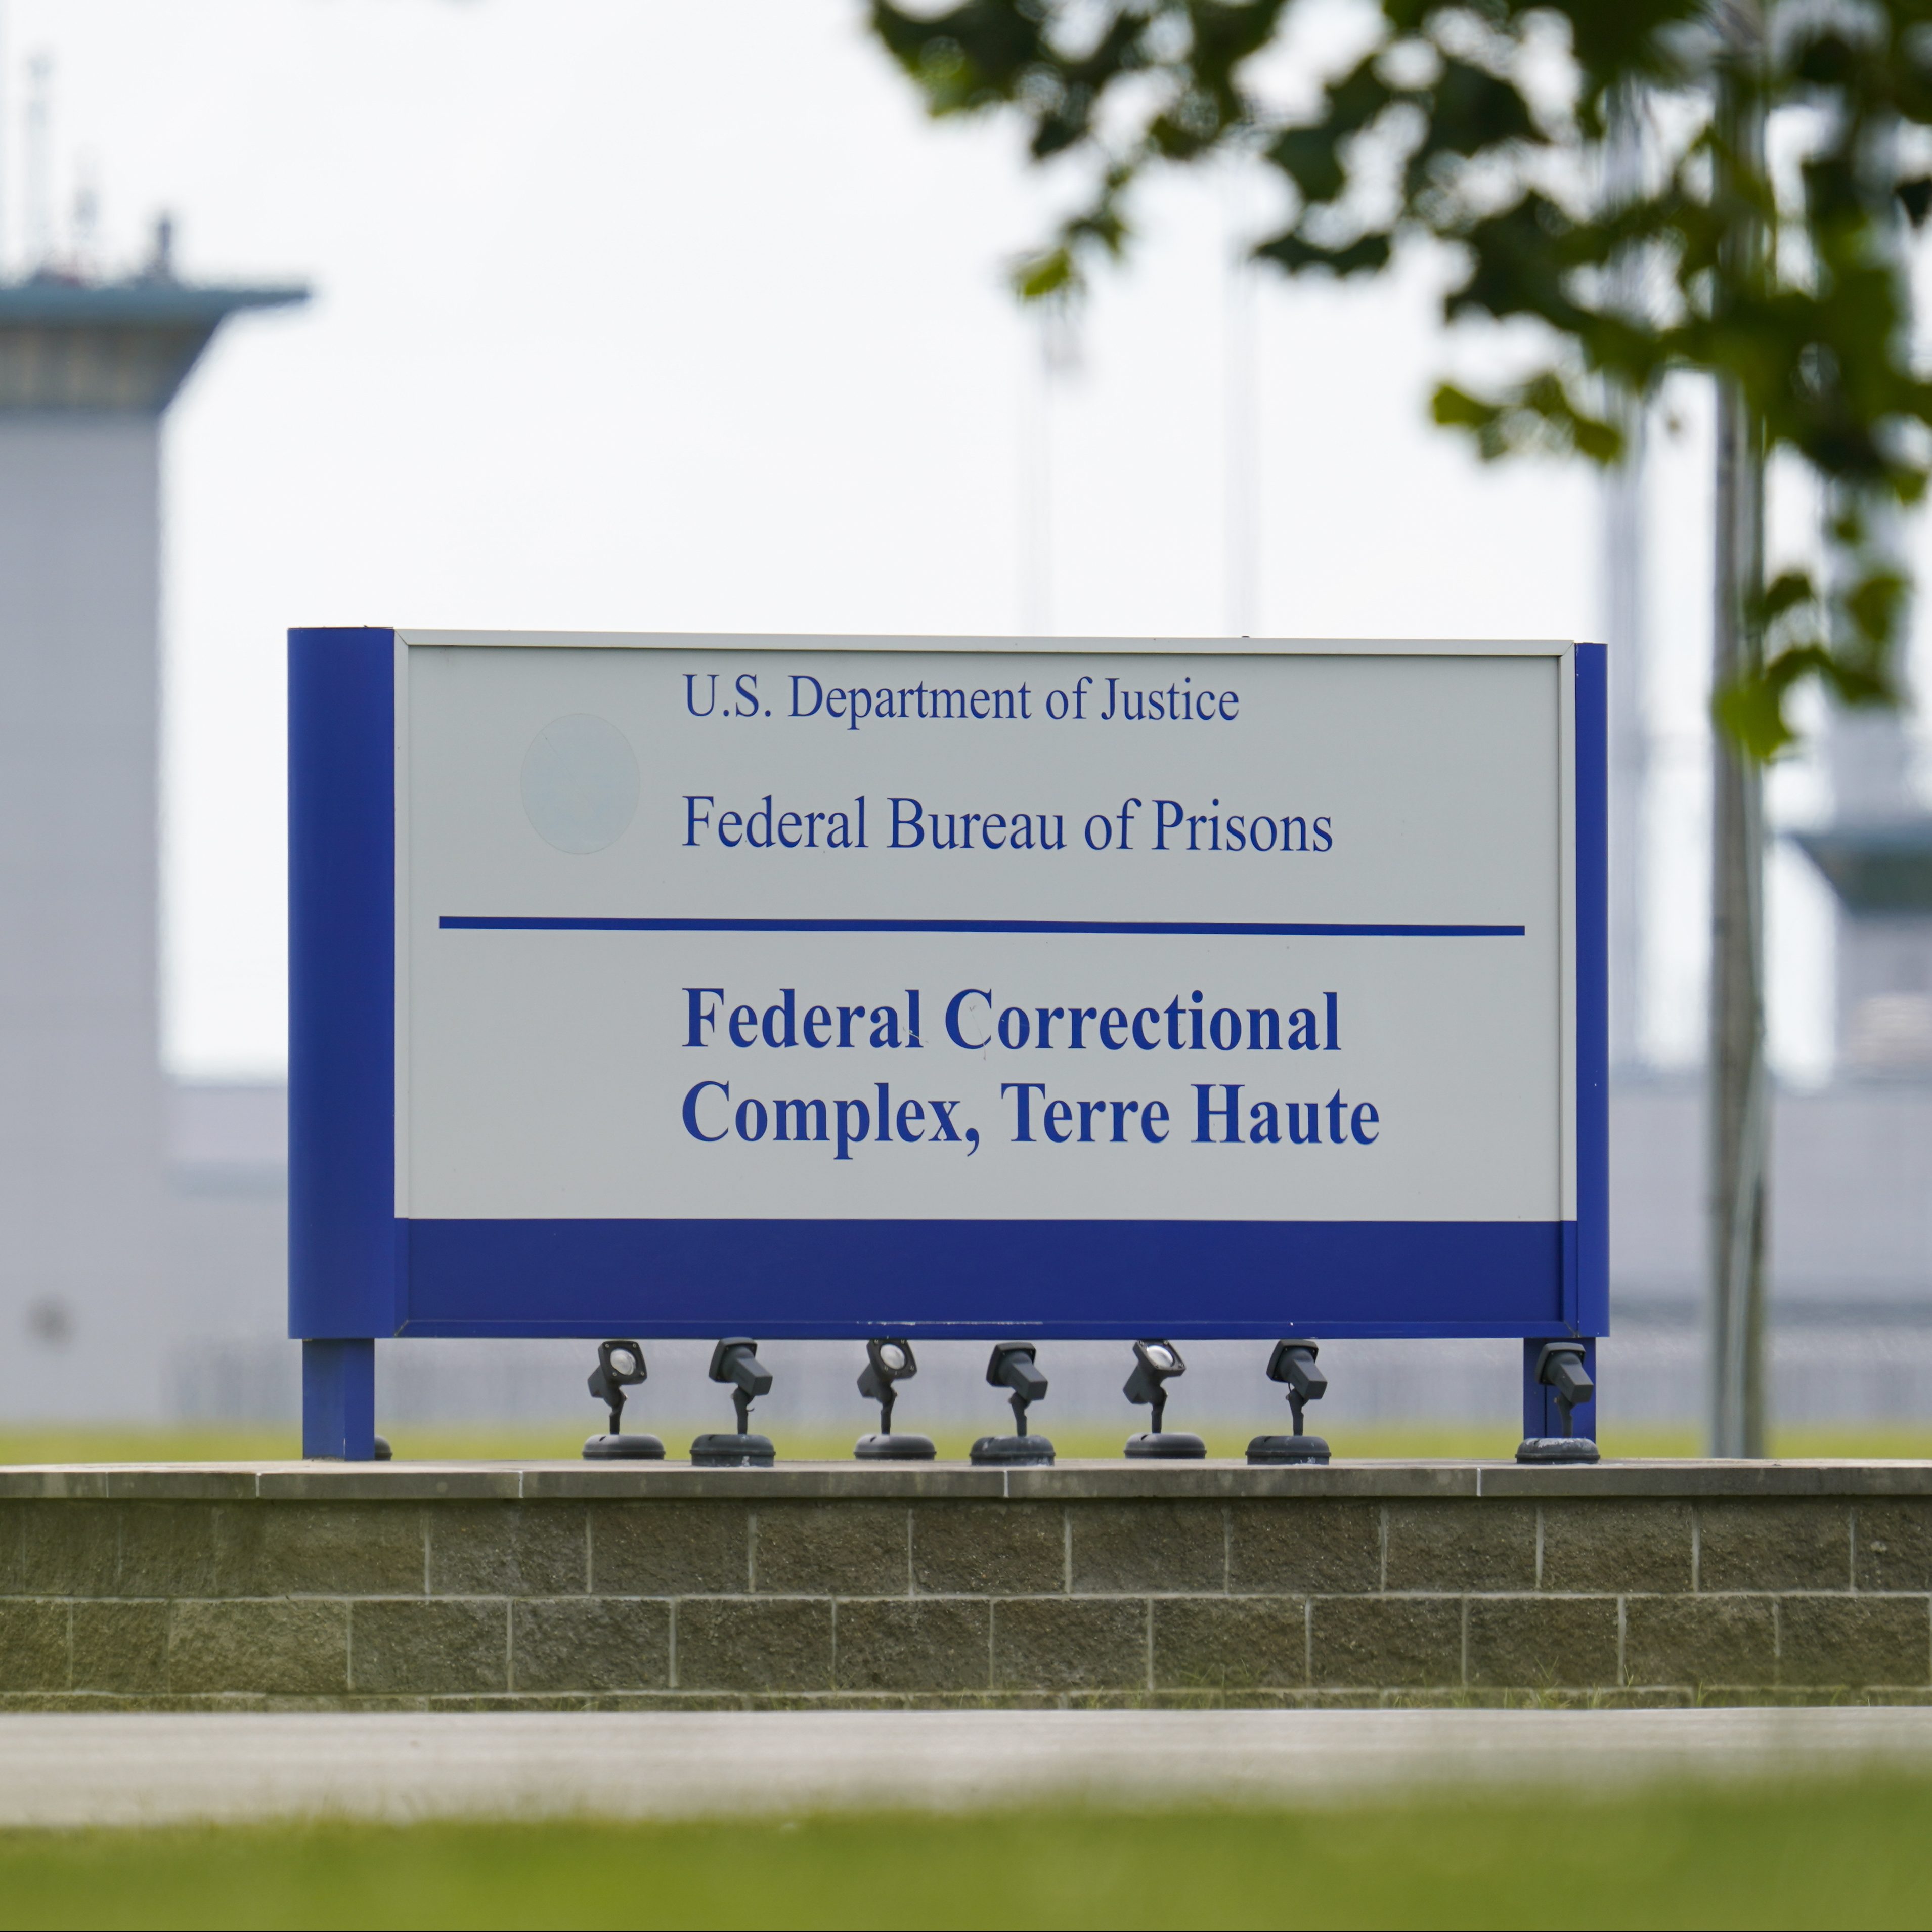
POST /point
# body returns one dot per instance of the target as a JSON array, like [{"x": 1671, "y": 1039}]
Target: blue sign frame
[{"x": 357, "y": 1272}]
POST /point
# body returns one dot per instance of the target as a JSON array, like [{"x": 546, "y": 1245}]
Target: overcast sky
[{"x": 637, "y": 315}]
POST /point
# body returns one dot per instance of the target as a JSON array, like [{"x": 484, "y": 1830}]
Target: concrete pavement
[{"x": 66, "y": 1769}]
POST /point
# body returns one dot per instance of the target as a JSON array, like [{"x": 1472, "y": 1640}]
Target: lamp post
[{"x": 1739, "y": 1122}]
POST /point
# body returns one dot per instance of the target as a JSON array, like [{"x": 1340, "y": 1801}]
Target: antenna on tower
[
  {"x": 1240, "y": 438},
  {"x": 161, "y": 262},
  {"x": 3, "y": 176},
  {"x": 39, "y": 184},
  {"x": 1056, "y": 354},
  {"x": 84, "y": 222}
]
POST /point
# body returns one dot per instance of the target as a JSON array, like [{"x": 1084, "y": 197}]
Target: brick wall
[{"x": 562, "y": 1585}]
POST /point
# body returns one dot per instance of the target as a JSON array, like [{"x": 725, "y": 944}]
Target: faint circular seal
[{"x": 579, "y": 783}]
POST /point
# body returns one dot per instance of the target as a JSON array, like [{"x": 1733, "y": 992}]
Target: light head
[
  {"x": 1154, "y": 1364},
  {"x": 621, "y": 1363},
  {"x": 1294, "y": 1363},
  {"x": 888, "y": 1361},
  {"x": 1560, "y": 1366},
  {"x": 735, "y": 1361},
  {"x": 1011, "y": 1368},
  {"x": 620, "y": 1366}
]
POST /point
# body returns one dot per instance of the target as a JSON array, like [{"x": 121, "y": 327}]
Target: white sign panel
[{"x": 1101, "y": 988}]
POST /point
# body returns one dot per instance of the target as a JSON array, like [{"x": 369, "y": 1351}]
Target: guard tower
[
  {"x": 1877, "y": 855},
  {"x": 87, "y": 372}
]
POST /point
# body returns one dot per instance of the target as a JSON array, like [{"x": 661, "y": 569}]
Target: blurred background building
[
  {"x": 722, "y": 435},
  {"x": 151, "y": 1213},
  {"x": 100, "y": 1230}
]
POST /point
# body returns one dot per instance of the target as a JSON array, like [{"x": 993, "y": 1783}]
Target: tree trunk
[{"x": 1740, "y": 1100}]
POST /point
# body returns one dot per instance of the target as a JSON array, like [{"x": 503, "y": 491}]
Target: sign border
[{"x": 352, "y": 1256}]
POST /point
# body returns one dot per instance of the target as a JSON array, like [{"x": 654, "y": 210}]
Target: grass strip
[{"x": 1851, "y": 1851}]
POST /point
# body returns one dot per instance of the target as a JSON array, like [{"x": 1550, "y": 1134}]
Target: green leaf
[
  {"x": 1368, "y": 254},
  {"x": 1501, "y": 158},
  {"x": 1308, "y": 157},
  {"x": 1752, "y": 712},
  {"x": 1051, "y": 274},
  {"x": 1785, "y": 593}
]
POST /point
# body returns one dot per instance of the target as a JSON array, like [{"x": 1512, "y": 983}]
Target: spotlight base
[
  {"x": 895, "y": 1449},
  {"x": 732, "y": 1452},
  {"x": 1169, "y": 1445},
  {"x": 623, "y": 1448},
  {"x": 1557, "y": 1449},
  {"x": 1287, "y": 1449},
  {"x": 1013, "y": 1450}
]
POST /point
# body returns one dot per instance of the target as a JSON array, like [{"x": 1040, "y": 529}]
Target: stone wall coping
[{"x": 1067, "y": 1481}]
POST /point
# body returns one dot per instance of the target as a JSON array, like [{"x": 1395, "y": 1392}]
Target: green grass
[
  {"x": 1853, "y": 1852},
  {"x": 426, "y": 1442}
]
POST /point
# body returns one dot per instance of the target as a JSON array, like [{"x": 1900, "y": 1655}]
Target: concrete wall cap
[{"x": 1067, "y": 1481}]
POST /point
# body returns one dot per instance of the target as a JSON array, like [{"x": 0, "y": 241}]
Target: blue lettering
[
  {"x": 691, "y": 1125},
  {"x": 784, "y": 1006},
  {"x": 700, "y": 1015},
  {"x": 1229, "y": 1112},
  {"x": 1023, "y": 1090},
  {"x": 952, "y": 1032},
  {"x": 855, "y": 1123}
]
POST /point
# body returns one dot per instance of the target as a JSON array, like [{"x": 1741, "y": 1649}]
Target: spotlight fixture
[
  {"x": 735, "y": 1362},
  {"x": 1012, "y": 1369},
  {"x": 1293, "y": 1362},
  {"x": 889, "y": 1361},
  {"x": 1155, "y": 1363},
  {"x": 1560, "y": 1368},
  {"x": 620, "y": 1366}
]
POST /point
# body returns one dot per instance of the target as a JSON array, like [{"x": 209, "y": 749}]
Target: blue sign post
[{"x": 810, "y": 987}]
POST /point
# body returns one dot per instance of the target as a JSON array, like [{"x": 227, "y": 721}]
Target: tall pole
[
  {"x": 1740, "y": 1100},
  {"x": 37, "y": 175},
  {"x": 1036, "y": 481},
  {"x": 1240, "y": 433},
  {"x": 6, "y": 128},
  {"x": 1052, "y": 353},
  {"x": 1623, "y": 556}
]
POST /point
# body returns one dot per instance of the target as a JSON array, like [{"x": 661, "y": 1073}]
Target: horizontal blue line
[{"x": 1234, "y": 928}]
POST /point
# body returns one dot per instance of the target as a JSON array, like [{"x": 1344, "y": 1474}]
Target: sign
[{"x": 815, "y": 986}]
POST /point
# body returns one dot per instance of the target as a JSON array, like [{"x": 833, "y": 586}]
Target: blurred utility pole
[
  {"x": 1629, "y": 743},
  {"x": 1052, "y": 353},
  {"x": 1623, "y": 589},
  {"x": 1739, "y": 1123},
  {"x": 1241, "y": 507},
  {"x": 1868, "y": 753},
  {"x": 39, "y": 169},
  {"x": 6, "y": 128}
]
